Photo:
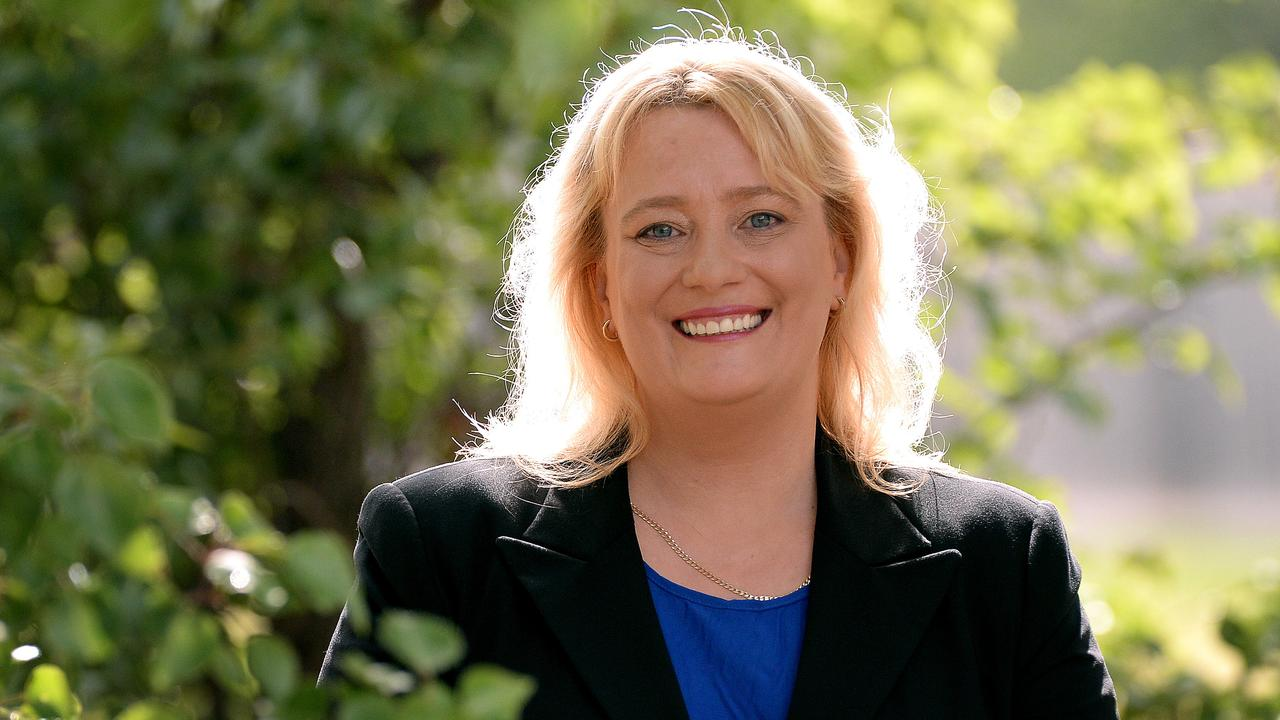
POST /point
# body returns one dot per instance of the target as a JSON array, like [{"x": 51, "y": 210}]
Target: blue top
[{"x": 733, "y": 658}]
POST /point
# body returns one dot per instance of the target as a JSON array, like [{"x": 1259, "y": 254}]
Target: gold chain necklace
[{"x": 675, "y": 547}]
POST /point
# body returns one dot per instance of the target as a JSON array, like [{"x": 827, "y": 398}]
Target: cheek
[{"x": 637, "y": 286}]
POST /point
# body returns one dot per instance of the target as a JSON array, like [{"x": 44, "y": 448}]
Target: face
[{"x": 718, "y": 285}]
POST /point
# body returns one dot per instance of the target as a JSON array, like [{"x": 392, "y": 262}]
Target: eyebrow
[{"x": 738, "y": 193}]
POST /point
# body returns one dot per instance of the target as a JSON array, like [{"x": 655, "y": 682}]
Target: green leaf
[
  {"x": 240, "y": 514},
  {"x": 489, "y": 692},
  {"x": 142, "y": 555},
  {"x": 306, "y": 703},
  {"x": 49, "y": 693},
  {"x": 384, "y": 678},
  {"x": 232, "y": 672},
  {"x": 425, "y": 643},
  {"x": 1124, "y": 347},
  {"x": 186, "y": 650},
  {"x": 999, "y": 374},
  {"x": 32, "y": 458},
  {"x": 1191, "y": 351},
  {"x": 317, "y": 566},
  {"x": 1086, "y": 405},
  {"x": 74, "y": 627},
  {"x": 21, "y": 510},
  {"x": 367, "y": 707},
  {"x": 173, "y": 505},
  {"x": 150, "y": 710},
  {"x": 130, "y": 401},
  {"x": 358, "y": 610},
  {"x": 433, "y": 701},
  {"x": 113, "y": 27},
  {"x": 252, "y": 532},
  {"x": 274, "y": 664},
  {"x": 106, "y": 498}
]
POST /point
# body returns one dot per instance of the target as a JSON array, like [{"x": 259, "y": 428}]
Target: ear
[
  {"x": 840, "y": 280},
  {"x": 599, "y": 285}
]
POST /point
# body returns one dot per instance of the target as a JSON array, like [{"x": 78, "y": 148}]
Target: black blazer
[{"x": 959, "y": 601}]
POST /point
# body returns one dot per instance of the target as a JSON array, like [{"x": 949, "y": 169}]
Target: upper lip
[{"x": 721, "y": 311}]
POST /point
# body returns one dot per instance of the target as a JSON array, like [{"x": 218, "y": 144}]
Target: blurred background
[{"x": 248, "y": 260}]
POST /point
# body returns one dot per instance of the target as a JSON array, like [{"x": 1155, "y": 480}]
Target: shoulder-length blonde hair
[{"x": 573, "y": 415}]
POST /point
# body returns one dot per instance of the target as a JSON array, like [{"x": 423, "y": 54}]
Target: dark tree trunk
[{"x": 321, "y": 454}]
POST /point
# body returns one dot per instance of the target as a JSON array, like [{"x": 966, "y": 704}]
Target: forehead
[
  {"x": 689, "y": 152},
  {"x": 684, "y": 149}
]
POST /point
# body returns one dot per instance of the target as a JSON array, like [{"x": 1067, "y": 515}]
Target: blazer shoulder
[
  {"x": 955, "y": 510},
  {"x": 475, "y": 494}
]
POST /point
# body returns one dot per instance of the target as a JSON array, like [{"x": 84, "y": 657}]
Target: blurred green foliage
[{"x": 248, "y": 252}]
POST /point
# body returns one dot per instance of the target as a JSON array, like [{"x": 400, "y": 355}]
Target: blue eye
[
  {"x": 763, "y": 220},
  {"x": 659, "y": 231}
]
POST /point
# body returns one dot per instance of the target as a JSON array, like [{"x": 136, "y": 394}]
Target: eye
[
  {"x": 657, "y": 231},
  {"x": 763, "y": 220}
]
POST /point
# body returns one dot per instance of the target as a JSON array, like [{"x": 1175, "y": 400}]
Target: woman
[{"x": 703, "y": 497}]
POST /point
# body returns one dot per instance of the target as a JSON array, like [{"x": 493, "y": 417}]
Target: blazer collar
[
  {"x": 877, "y": 582},
  {"x": 580, "y": 561},
  {"x": 875, "y": 586}
]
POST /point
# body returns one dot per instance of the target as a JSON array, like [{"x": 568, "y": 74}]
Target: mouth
[{"x": 735, "y": 324}]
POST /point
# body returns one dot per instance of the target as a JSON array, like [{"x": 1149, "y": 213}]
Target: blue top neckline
[{"x": 712, "y": 601}]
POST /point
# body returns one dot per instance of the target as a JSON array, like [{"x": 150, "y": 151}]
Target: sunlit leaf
[
  {"x": 252, "y": 531},
  {"x": 426, "y": 643},
  {"x": 489, "y": 692},
  {"x": 386, "y": 679},
  {"x": 114, "y": 27},
  {"x": 138, "y": 286},
  {"x": 1191, "y": 351},
  {"x": 142, "y": 554},
  {"x": 1124, "y": 347},
  {"x": 999, "y": 374},
  {"x": 50, "y": 694}
]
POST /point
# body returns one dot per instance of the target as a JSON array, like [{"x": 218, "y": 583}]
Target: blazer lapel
[
  {"x": 580, "y": 562},
  {"x": 875, "y": 586}
]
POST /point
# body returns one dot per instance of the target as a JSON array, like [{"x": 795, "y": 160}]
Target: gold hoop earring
[
  {"x": 837, "y": 310},
  {"x": 604, "y": 330}
]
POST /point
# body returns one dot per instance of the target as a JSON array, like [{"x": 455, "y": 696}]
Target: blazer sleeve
[
  {"x": 1060, "y": 671},
  {"x": 392, "y": 571}
]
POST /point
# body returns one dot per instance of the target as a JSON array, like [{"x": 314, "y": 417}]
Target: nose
[{"x": 712, "y": 261}]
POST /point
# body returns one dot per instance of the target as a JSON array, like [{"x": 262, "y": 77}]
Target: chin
[{"x": 724, "y": 395}]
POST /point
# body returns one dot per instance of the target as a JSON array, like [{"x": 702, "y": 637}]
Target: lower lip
[{"x": 725, "y": 337}]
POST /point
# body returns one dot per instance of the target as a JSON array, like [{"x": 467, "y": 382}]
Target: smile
[{"x": 724, "y": 325}]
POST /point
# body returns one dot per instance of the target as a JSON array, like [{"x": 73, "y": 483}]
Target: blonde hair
[{"x": 572, "y": 415}]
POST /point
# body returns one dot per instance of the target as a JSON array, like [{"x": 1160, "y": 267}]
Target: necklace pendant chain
[{"x": 675, "y": 547}]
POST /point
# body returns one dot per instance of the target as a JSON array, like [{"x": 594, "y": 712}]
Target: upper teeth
[{"x": 723, "y": 325}]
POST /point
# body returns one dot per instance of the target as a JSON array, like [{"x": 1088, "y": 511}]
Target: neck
[{"x": 731, "y": 471}]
